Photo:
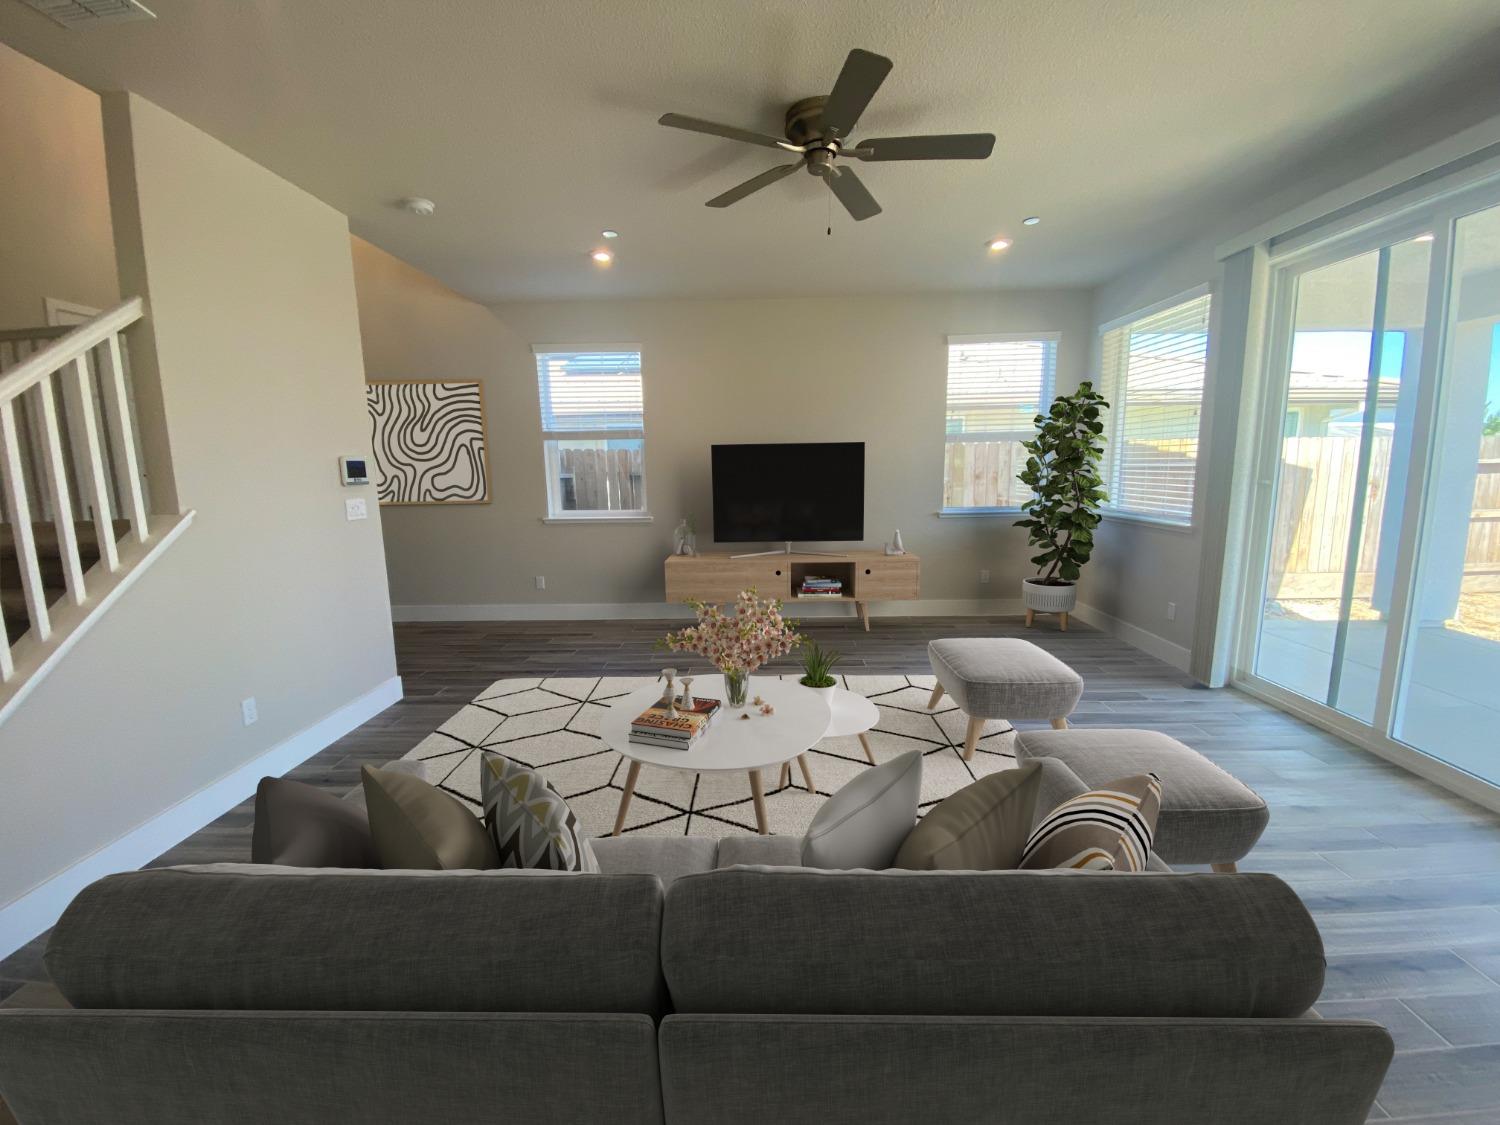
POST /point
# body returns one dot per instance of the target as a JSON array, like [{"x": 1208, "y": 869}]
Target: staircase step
[
  {"x": 44, "y": 533},
  {"x": 15, "y": 614}
]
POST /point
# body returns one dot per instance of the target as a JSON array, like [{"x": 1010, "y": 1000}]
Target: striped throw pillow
[{"x": 1105, "y": 829}]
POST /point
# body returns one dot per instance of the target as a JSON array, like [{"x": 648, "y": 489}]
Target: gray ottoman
[
  {"x": 1000, "y": 678},
  {"x": 1207, "y": 815}
]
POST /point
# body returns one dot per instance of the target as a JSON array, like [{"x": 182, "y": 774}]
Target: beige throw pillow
[
  {"x": 416, "y": 826},
  {"x": 1109, "y": 828},
  {"x": 982, "y": 827}
]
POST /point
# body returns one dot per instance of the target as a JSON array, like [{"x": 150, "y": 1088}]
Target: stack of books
[
  {"x": 814, "y": 586},
  {"x": 659, "y": 727}
]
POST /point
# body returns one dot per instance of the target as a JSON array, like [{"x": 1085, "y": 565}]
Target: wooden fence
[
  {"x": 608, "y": 480},
  {"x": 982, "y": 474}
]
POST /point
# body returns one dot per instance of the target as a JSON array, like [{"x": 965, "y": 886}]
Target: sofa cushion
[
  {"x": 765, "y": 851},
  {"x": 982, "y": 827},
  {"x": 863, "y": 824},
  {"x": 989, "y": 943},
  {"x": 416, "y": 825},
  {"x": 1105, "y": 829},
  {"x": 1004, "y": 678},
  {"x": 278, "y": 938},
  {"x": 666, "y": 857},
  {"x": 528, "y": 820},
  {"x": 301, "y": 825},
  {"x": 1207, "y": 815}
]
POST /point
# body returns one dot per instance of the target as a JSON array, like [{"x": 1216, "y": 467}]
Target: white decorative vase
[{"x": 1049, "y": 599}]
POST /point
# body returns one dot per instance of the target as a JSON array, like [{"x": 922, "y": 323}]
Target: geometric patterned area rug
[{"x": 551, "y": 724}]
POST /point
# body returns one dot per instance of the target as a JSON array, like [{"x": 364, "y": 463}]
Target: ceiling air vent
[{"x": 75, "y": 13}]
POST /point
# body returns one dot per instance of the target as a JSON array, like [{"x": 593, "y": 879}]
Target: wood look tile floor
[{"x": 1403, "y": 878}]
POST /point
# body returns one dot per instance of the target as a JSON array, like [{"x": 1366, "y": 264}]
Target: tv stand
[
  {"x": 787, "y": 550},
  {"x": 868, "y": 576}
]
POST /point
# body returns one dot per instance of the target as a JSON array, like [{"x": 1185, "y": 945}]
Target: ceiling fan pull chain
[{"x": 829, "y": 185}]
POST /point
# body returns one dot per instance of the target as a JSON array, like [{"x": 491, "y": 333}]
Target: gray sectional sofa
[{"x": 680, "y": 986}]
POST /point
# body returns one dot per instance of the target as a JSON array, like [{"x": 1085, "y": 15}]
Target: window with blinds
[
  {"x": 996, "y": 387},
  {"x": 593, "y": 432},
  {"x": 1152, "y": 374}
]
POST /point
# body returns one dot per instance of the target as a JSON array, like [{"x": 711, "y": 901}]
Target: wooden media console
[{"x": 867, "y": 576}]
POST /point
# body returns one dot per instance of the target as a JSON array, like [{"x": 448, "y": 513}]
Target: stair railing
[{"x": 55, "y": 386}]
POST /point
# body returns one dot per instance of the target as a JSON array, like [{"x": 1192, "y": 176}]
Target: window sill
[
  {"x": 1146, "y": 521},
  {"x": 975, "y": 513},
  {"x": 599, "y": 517}
]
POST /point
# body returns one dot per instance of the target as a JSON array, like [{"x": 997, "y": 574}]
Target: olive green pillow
[
  {"x": 416, "y": 826},
  {"x": 982, "y": 827}
]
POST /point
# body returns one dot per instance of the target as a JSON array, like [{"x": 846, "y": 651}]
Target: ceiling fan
[{"x": 817, "y": 130}]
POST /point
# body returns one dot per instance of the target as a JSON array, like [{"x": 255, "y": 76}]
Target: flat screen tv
[{"x": 794, "y": 492}]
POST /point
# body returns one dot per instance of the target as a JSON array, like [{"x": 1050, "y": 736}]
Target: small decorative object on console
[
  {"x": 685, "y": 539},
  {"x": 739, "y": 642},
  {"x": 896, "y": 547}
]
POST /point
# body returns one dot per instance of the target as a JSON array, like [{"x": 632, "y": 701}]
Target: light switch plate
[
  {"x": 248, "y": 710},
  {"x": 354, "y": 509}
]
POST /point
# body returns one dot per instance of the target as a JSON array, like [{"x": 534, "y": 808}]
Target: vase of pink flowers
[{"x": 739, "y": 641}]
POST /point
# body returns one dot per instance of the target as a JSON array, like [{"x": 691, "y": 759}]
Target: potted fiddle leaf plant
[
  {"x": 817, "y": 667},
  {"x": 1062, "y": 470}
]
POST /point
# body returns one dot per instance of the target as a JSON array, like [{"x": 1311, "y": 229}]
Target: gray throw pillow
[
  {"x": 982, "y": 827},
  {"x": 864, "y": 823},
  {"x": 299, "y": 825},
  {"x": 416, "y": 826},
  {"x": 528, "y": 820}
]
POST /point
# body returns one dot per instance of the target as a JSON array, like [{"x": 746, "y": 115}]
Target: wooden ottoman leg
[
  {"x": 937, "y": 697},
  {"x": 1060, "y": 724},
  {"x": 1225, "y": 868},
  {"x": 864, "y": 740},
  {"x": 971, "y": 737},
  {"x": 759, "y": 796},
  {"x": 806, "y": 772},
  {"x": 630, "y": 776}
]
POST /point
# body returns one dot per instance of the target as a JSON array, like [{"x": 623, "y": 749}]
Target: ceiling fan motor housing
[{"x": 804, "y": 126}]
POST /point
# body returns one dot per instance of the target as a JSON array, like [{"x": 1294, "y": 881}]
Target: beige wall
[
  {"x": 55, "y": 238},
  {"x": 866, "y": 369},
  {"x": 270, "y": 593}
]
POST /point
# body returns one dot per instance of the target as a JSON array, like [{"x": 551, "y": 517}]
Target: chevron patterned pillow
[
  {"x": 529, "y": 821},
  {"x": 1105, "y": 829}
]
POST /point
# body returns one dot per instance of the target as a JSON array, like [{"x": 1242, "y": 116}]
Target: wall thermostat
[{"x": 352, "y": 470}]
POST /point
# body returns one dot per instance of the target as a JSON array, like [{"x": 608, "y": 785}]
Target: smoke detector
[
  {"x": 416, "y": 205},
  {"x": 75, "y": 13}
]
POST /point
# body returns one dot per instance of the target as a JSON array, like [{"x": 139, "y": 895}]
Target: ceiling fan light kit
[{"x": 817, "y": 129}]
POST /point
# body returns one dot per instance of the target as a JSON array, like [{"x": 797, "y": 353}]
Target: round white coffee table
[
  {"x": 732, "y": 744},
  {"x": 850, "y": 713}
]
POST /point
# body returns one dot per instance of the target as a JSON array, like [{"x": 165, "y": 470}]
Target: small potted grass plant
[{"x": 817, "y": 667}]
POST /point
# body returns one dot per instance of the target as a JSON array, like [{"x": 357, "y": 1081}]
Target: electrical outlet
[
  {"x": 541, "y": 581},
  {"x": 248, "y": 711},
  {"x": 1171, "y": 611},
  {"x": 355, "y": 509},
  {"x": 984, "y": 576}
]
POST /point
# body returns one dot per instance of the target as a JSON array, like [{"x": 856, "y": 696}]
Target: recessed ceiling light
[
  {"x": 610, "y": 233},
  {"x": 416, "y": 205},
  {"x": 603, "y": 257},
  {"x": 1031, "y": 220},
  {"x": 999, "y": 244},
  {"x": 1424, "y": 238}
]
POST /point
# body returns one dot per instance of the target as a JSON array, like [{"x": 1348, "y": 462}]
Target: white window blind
[
  {"x": 1153, "y": 371},
  {"x": 594, "y": 431},
  {"x": 996, "y": 387}
]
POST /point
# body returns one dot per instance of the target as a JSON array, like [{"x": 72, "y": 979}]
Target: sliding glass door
[{"x": 1378, "y": 509}]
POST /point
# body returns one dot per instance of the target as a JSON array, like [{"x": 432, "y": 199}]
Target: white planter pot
[
  {"x": 1049, "y": 599},
  {"x": 825, "y": 692}
]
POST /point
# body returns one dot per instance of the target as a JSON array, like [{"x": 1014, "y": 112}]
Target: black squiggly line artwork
[{"x": 428, "y": 440}]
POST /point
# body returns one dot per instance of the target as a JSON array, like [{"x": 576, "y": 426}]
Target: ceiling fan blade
[
  {"x": 853, "y": 194},
  {"x": 862, "y": 75},
  {"x": 713, "y": 128},
  {"x": 948, "y": 146},
  {"x": 754, "y": 184}
]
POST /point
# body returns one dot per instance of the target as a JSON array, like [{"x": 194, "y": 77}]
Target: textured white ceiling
[{"x": 1126, "y": 124}]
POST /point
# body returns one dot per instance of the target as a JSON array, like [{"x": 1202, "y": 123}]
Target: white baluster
[
  {"x": 117, "y": 415},
  {"x": 84, "y": 429},
  {"x": 20, "y": 522},
  {"x": 55, "y": 475}
]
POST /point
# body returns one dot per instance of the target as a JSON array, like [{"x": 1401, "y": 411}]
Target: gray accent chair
[{"x": 234, "y": 993}]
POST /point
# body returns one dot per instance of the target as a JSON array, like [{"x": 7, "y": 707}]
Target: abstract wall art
[{"x": 429, "y": 442}]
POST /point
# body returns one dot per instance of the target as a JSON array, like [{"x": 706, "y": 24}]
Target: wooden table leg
[
  {"x": 806, "y": 773},
  {"x": 760, "y": 803},
  {"x": 633, "y": 773},
  {"x": 786, "y": 775},
  {"x": 864, "y": 740}
]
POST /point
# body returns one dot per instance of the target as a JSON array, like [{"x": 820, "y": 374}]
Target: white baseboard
[
  {"x": 38, "y": 909},
  {"x": 1150, "y": 643},
  {"x": 662, "y": 611}
]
